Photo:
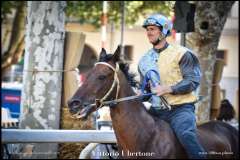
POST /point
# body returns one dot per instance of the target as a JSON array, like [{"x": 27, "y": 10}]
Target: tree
[
  {"x": 15, "y": 47},
  {"x": 91, "y": 11},
  {"x": 83, "y": 11},
  {"x": 42, "y": 79},
  {"x": 210, "y": 18}
]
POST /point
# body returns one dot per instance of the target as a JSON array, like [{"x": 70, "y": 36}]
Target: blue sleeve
[
  {"x": 191, "y": 73},
  {"x": 146, "y": 63}
]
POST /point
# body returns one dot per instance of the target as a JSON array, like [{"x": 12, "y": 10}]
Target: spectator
[{"x": 227, "y": 113}]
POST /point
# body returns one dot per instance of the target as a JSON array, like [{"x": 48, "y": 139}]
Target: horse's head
[{"x": 101, "y": 84}]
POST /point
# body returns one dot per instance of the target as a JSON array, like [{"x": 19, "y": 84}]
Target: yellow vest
[{"x": 170, "y": 73}]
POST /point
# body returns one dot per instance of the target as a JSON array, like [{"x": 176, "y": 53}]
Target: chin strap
[{"x": 160, "y": 38}]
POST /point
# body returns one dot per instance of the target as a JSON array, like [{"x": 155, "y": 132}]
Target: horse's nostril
[{"x": 73, "y": 103}]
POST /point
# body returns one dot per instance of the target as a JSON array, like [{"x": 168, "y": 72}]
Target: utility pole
[
  {"x": 112, "y": 37},
  {"x": 104, "y": 24},
  {"x": 122, "y": 29}
]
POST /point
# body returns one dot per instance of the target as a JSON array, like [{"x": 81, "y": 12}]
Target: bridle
[
  {"x": 115, "y": 82},
  {"x": 101, "y": 102}
]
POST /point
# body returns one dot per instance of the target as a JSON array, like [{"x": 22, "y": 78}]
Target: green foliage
[
  {"x": 7, "y": 8},
  {"x": 89, "y": 12}
]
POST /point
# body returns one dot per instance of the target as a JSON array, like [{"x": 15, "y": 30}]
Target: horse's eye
[{"x": 102, "y": 77}]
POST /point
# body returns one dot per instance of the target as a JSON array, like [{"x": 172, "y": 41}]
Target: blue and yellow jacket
[{"x": 178, "y": 68}]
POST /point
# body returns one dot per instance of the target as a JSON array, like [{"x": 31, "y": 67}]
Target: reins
[{"x": 101, "y": 102}]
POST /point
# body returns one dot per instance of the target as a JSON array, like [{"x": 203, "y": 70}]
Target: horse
[{"x": 138, "y": 133}]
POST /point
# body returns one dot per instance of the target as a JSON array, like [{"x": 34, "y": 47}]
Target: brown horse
[{"x": 138, "y": 134}]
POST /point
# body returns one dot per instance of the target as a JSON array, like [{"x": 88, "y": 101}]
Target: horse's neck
[{"x": 130, "y": 120}]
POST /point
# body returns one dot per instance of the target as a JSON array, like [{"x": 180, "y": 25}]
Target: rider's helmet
[{"x": 160, "y": 21}]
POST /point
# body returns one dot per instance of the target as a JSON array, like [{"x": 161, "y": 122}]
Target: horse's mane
[{"x": 124, "y": 67}]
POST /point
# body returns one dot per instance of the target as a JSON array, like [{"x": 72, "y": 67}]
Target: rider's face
[{"x": 153, "y": 33}]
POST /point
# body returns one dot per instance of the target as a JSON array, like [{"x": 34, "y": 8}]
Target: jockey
[{"x": 179, "y": 76}]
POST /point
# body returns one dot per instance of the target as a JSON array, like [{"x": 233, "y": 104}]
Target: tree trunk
[
  {"x": 42, "y": 79},
  {"x": 16, "y": 44},
  {"x": 210, "y": 18}
]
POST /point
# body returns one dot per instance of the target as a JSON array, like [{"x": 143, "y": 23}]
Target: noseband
[{"x": 115, "y": 82}]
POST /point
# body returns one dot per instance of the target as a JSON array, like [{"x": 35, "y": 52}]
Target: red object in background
[
  {"x": 173, "y": 30},
  {"x": 11, "y": 98},
  {"x": 82, "y": 77},
  {"x": 174, "y": 34}
]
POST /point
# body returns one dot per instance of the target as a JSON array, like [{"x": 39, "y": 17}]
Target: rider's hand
[{"x": 162, "y": 89}]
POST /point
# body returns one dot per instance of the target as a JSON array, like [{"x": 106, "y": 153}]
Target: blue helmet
[{"x": 159, "y": 20}]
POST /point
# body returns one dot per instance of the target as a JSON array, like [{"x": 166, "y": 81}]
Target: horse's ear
[
  {"x": 103, "y": 54},
  {"x": 116, "y": 55}
]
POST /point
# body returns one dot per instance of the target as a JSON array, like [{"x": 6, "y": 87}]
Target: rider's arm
[
  {"x": 191, "y": 73},
  {"x": 149, "y": 62}
]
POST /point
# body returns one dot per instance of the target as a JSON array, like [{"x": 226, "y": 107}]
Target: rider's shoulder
[{"x": 149, "y": 53}]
